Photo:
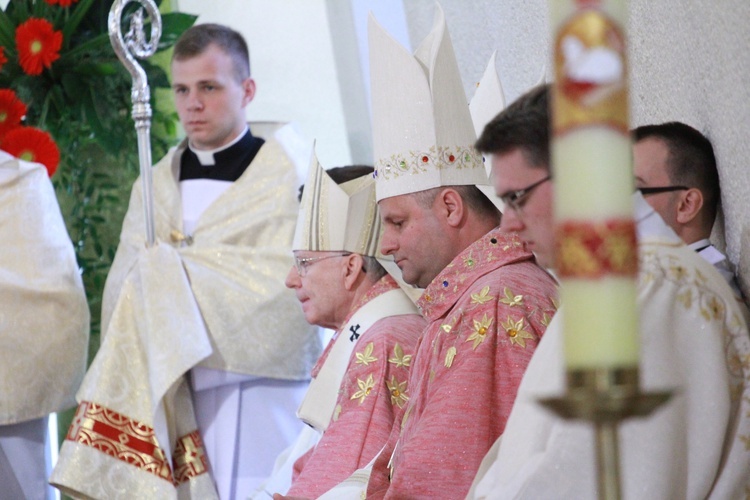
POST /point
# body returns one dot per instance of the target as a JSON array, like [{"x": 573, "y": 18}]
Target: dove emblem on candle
[{"x": 591, "y": 73}]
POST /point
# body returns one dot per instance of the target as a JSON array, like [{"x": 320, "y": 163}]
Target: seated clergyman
[
  {"x": 693, "y": 342},
  {"x": 675, "y": 170},
  {"x": 360, "y": 383}
]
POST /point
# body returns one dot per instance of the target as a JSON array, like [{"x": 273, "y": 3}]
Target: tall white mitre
[
  {"x": 488, "y": 101},
  {"x": 489, "y": 98},
  {"x": 423, "y": 135},
  {"x": 337, "y": 217}
]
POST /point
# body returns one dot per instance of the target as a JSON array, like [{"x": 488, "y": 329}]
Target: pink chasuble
[
  {"x": 486, "y": 311},
  {"x": 371, "y": 398}
]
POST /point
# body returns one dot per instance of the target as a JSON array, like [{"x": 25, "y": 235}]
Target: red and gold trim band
[
  {"x": 120, "y": 437},
  {"x": 593, "y": 250},
  {"x": 189, "y": 458},
  {"x": 135, "y": 443}
]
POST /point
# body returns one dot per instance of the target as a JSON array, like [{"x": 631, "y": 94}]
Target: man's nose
[
  {"x": 511, "y": 221},
  {"x": 388, "y": 243},
  {"x": 194, "y": 102},
  {"x": 292, "y": 278}
]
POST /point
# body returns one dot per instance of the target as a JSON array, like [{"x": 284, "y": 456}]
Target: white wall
[
  {"x": 689, "y": 62},
  {"x": 293, "y": 64}
]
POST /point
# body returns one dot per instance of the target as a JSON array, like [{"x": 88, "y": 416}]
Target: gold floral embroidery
[
  {"x": 647, "y": 278},
  {"x": 746, "y": 440},
  {"x": 513, "y": 244},
  {"x": 449, "y": 357},
  {"x": 336, "y": 412},
  {"x": 398, "y": 391},
  {"x": 481, "y": 297},
  {"x": 619, "y": 248},
  {"x": 365, "y": 387},
  {"x": 700, "y": 276},
  {"x": 745, "y": 360},
  {"x": 736, "y": 392},
  {"x": 679, "y": 273},
  {"x": 511, "y": 299},
  {"x": 406, "y": 416},
  {"x": 546, "y": 319},
  {"x": 480, "y": 330},
  {"x": 556, "y": 303},
  {"x": 716, "y": 308},
  {"x": 686, "y": 298},
  {"x": 399, "y": 358},
  {"x": 516, "y": 332},
  {"x": 366, "y": 357},
  {"x": 446, "y": 328}
]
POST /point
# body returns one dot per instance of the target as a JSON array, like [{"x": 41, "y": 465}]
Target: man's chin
[
  {"x": 409, "y": 277},
  {"x": 543, "y": 260}
]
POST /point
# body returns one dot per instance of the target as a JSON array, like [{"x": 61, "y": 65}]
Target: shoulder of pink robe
[
  {"x": 372, "y": 397},
  {"x": 487, "y": 311}
]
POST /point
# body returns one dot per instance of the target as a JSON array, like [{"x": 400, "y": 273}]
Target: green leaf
[
  {"x": 73, "y": 55},
  {"x": 157, "y": 77},
  {"x": 75, "y": 19},
  {"x": 173, "y": 25},
  {"x": 7, "y": 32},
  {"x": 97, "y": 69}
]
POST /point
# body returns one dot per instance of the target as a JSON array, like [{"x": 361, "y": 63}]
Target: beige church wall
[
  {"x": 307, "y": 59},
  {"x": 294, "y": 65},
  {"x": 690, "y": 61}
]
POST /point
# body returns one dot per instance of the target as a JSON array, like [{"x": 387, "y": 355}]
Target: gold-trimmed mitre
[
  {"x": 423, "y": 136},
  {"x": 337, "y": 217}
]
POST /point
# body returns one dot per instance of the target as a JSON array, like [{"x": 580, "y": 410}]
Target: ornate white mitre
[
  {"x": 488, "y": 101},
  {"x": 337, "y": 217},
  {"x": 422, "y": 132}
]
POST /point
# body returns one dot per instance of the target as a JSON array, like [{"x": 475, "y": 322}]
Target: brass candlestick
[{"x": 605, "y": 396}]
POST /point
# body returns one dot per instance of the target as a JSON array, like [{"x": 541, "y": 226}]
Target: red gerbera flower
[
  {"x": 62, "y": 3},
  {"x": 12, "y": 110},
  {"x": 38, "y": 45},
  {"x": 3, "y": 59},
  {"x": 33, "y": 144}
]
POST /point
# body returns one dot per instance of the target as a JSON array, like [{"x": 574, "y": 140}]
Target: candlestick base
[{"x": 605, "y": 397}]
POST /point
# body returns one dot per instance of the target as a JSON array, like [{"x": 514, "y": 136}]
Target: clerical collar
[
  {"x": 700, "y": 245},
  {"x": 206, "y": 156},
  {"x": 229, "y": 162}
]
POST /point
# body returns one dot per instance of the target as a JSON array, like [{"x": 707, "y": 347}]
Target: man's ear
[
  {"x": 353, "y": 268},
  {"x": 689, "y": 206},
  {"x": 452, "y": 206},
  {"x": 248, "y": 88}
]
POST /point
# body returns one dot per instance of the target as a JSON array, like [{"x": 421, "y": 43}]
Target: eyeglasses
[
  {"x": 303, "y": 263},
  {"x": 662, "y": 189},
  {"x": 516, "y": 199}
]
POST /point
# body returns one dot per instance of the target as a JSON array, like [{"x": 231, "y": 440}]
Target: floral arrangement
[
  {"x": 27, "y": 143},
  {"x": 65, "y": 103}
]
